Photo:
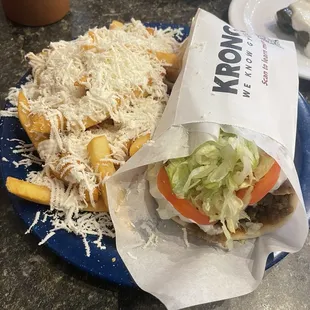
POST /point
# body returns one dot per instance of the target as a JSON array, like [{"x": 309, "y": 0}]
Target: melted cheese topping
[{"x": 110, "y": 74}]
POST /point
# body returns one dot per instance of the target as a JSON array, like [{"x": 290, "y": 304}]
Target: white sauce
[
  {"x": 282, "y": 178},
  {"x": 165, "y": 209},
  {"x": 211, "y": 229},
  {"x": 253, "y": 228},
  {"x": 301, "y": 19}
]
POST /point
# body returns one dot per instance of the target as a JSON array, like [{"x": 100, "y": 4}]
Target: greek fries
[{"x": 87, "y": 108}]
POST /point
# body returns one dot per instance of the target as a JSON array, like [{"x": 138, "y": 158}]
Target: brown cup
[{"x": 35, "y": 12}]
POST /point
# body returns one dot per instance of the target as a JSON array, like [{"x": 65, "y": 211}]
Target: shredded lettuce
[{"x": 211, "y": 175}]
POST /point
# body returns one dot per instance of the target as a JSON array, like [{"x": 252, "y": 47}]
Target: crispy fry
[
  {"x": 81, "y": 86},
  {"x": 23, "y": 115},
  {"x": 83, "y": 79},
  {"x": 39, "y": 124},
  {"x": 100, "y": 207},
  {"x": 150, "y": 30},
  {"x": 89, "y": 122},
  {"x": 169, "y": 58},
  {"x": 41, "y": 194},
  {"x": 98, "y": 149},
  {"x": 88, "y": 47},
  {"x": 115, "y": 24},
  {"x": 92, "y": 35},
  {"x": 138, "y": 143},
  {"x": 138, "y": 93},
  {"x": 172, "y": 73},
  {"x": 28, "y": 191},
  {"x": 175, "y": 63},
  {"x": 128, "y": 145}
]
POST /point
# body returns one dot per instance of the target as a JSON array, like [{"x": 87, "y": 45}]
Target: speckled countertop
[{"x": 31, "y": 277}]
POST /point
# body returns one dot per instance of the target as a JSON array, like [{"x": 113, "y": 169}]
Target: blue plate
[{"x": 69, "y": 246}]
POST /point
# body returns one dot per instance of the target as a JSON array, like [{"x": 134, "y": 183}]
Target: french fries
[
  {"x": 65, "y": 138},
  {"x": 99, "y": 149},
  {"x": 88, "y": 47},
  {"x": 174, "y": 62},
  {"x": 169, "y": 58},
  {"x": 40, "y": 124},
  {"x": 83, "y": 79},
  {"x": 24, "y": 118},
  {"x": 29, "y": 191},
  {"x": 138, "y": 143},
  {"x": 115, "y": 24},
  {"x": 92, "y": 35},
  {"x": 150, "y": 30},
  {"x": 41, "y": 194}
]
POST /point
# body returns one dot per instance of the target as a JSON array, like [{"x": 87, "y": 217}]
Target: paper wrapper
[{"x": 249, "y": 85}]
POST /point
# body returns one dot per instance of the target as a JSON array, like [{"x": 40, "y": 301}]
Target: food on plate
[
  {"x": 295, "y": 19},
  {"x": 225, "y": 190},
  {"x": 88, "y": 106}
]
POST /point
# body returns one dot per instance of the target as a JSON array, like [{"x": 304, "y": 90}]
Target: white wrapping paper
[{"x": 249, "y": 85}]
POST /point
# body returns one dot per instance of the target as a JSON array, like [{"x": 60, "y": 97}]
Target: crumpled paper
[{"x": 242, "y": 83}]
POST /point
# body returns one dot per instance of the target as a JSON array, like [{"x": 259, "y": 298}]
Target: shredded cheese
[
  {"x": 153, "y": 240},
  {"x": 131, "y": 255},
  {"x": 35, "y": 222},
  {"x": 48, "y": 236},
  {"x": 86, "y": 245},
  {"x": 10, "y": 112},
  {"x": 26, "y": 151},
  {"x": 185, "y": 237}
]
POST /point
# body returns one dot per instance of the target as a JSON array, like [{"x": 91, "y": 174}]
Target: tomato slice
[
  {"x": 183, "y": 206},
  {"x": 263, "y": 186}
]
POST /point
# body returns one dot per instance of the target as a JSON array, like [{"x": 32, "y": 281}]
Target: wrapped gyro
[
  {"x": 228, "y": 188},
  {"x": 219, "y": 159}
]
